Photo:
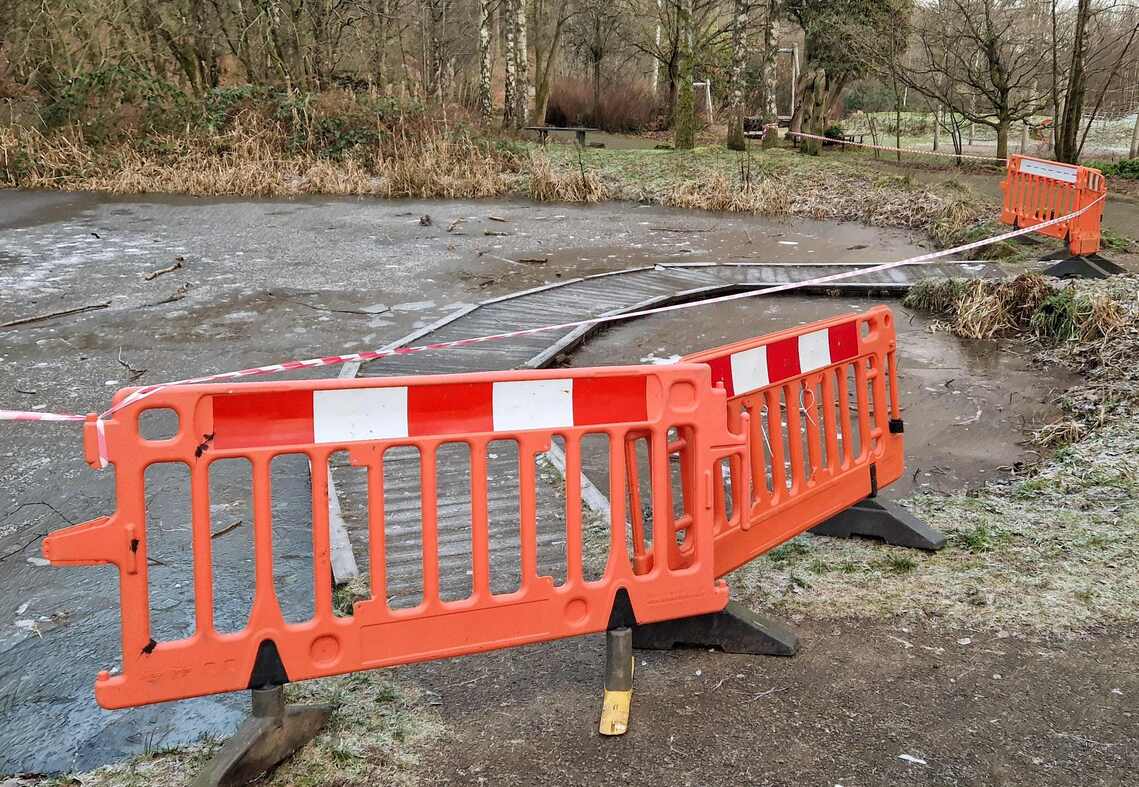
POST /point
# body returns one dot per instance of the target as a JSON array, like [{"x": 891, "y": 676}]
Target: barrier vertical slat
[
  {"x": 860, "y": 391},
  {"x": 844, "y": 416},
  {"x": 377, "y": 543},
  {"x": 480, "y": 522},
  {"x": 881, "y": 406},
  {"x": 617, "y": 511},
  {"x": 429, "y": 512},
  {"x": 775, "y": 439},
  {"x": 265, "y": 603},
  {"x": 895, "y": 401},
  {"x": 321, "y": 541},
  {"x": 527, "y": 514},
  {"x": 829, "y": 431},
  {"x": 760, "y": 495},
  {"x": 636, "y": 507},
  {"x": 202, "y": 546},
  {"x": 660, "y": 480},
  {"x": 794, "y": 439},
  {"x": 574, "y": 558},
  {"x": 808, "y": 406}
]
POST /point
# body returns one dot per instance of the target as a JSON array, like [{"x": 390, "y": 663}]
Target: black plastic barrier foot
[
  {"x": 271, "y": 734},
  {"x": 883, "y": 520},
  {"x": 1093, "y": 267},
  {"x": 734, "y": 630}
]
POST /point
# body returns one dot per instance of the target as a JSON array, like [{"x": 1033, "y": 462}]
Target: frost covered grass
[
  {"x": 1052, "y": 552},
  {"x": 374, "y": 737}
]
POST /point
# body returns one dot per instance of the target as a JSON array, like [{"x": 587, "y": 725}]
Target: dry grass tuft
[
  {"x": 1027, "y": 304},
  {"x": 1089, "y": 326},
  {"x": 257, "y": 157},
  {"x": 767, "y": 197},
  {"x": 551, "y": 182}
]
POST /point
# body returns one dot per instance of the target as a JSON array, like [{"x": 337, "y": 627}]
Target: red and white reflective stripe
[
  {"x": 343, "y": 415},
  {"x": 756, "y": 367},
  {"x": 896, "y": 150}
]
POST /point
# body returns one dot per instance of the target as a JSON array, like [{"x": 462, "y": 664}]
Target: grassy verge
[
  {"x": 1049, "y": 551},
  {"x": 247, "y": 142},
  {"x": 374, "y": 737}
]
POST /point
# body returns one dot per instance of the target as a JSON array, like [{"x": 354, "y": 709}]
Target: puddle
[{"x": 968, "y": 406}]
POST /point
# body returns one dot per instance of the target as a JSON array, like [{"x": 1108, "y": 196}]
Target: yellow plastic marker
[{"x": 619, "y": 667}]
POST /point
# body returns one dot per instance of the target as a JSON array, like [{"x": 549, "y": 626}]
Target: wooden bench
[{"x": 544, "y": 132}]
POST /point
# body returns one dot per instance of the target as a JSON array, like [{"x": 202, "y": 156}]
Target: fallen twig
[
  {"x": 62, "y": 313},
  {"x": 494, "y": 234},
  {"x": 772, "y": 690},
  {"x": 168, "y": 269},
  {"x": 498, "y": 218},
  {"x": 225, "y": 529},
  {"x": 178, "y": 295},
  {"x": 317, "y": 307},
  {"x": 678, "y": 229},
  {"x": 134, "y": 373},
  {"x": 534, "y": 260}
]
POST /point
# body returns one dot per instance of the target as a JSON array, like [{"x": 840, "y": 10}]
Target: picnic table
[{"x": 544, "y": 132}]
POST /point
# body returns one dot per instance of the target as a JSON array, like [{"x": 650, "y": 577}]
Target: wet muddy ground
[
  {"x": 967, "y": 709},
  {"x": 260, "y": 282}
]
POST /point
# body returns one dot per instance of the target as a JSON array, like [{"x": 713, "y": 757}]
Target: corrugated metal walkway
[{"x": 579, "y": 299}]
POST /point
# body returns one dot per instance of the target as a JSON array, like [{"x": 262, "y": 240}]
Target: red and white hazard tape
[
  {"x": 915, "y": 151},
  {"x": 372, "y": 355}
]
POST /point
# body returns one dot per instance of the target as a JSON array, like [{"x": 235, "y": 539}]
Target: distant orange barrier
[
  {"x": 366, "y": 418},
  {"x": 1038, "y": 190}
]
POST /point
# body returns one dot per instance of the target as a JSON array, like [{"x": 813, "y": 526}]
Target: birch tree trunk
[
  {"x": 684, "y": 125},
  {"x": 486, "y": 102},
  {"x": 437, "y": 21},
  {"x": 656, "y": 63},
  {"x": 522, "y": 66},
  {"x": 736, "y": 88},
  {"x": 510, "y": 86},
  {"x": 1135, "y": 136},
  {"x": 770, "y": 53}
]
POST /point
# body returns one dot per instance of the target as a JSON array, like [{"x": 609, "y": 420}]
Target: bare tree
[
  {"x": 549, "y": 24},
  {"x": 974, "y": 59},
  {"x": 486, "y": 102},
  {"x": 684, "y": 119},
  {"x": 522, "y": 66},
  {"x": 1100, "y": 44},
  {"x": 510, "y": 84},
  {"x": 736, "y": 85}
]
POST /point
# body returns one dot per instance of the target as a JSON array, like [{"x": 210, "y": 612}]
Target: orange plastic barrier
[
  {"x": 820, "y": 407},
  {"x": 1037, "y": 190},
  {"x": 366, "y": 418}
]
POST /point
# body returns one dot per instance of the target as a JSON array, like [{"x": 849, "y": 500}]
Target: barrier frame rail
[{"x": 366, "y": 417}]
